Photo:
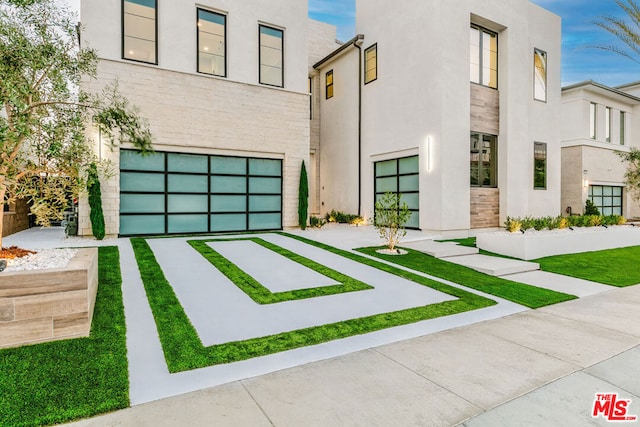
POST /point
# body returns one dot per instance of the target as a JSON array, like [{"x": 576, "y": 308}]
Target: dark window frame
[
  {"x": 366, "y": 51},
  {"x": 493, "y": 160},
  {"x": 397, "y": 175},
  {"x": 260, "y": 26},
  {"x": 482, "y": 30},
  {"x": 613, "y": 206},
  {"x": 328, "y": 85},
  {"x": 544, "y": 55},
  {"x": 593, "y": 116},
  {"x": 608, "y": 123},
  {"x": 623, "y": 123},
  {"x": 226, "y": 65},
  {"x": 543, "y": 145},
  {"x": 124, "y": 57}
]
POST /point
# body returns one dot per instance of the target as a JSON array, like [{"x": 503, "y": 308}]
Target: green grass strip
[
  {"x": 262, "y": 295},
  {"x": 615, "y": 267},
  {"x": 520, "y": 293},
  {"x": 183, "y": 349},
  {"x": 65, "y": 380}
]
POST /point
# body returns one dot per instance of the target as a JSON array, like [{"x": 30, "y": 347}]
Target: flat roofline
[{"x": 338, "y": 51}]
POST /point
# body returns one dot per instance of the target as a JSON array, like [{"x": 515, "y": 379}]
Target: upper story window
[
  {"x": 607, "y": 123},
  {"x": 484, "y": 169},
  {"x": 271, "y": 56},
  {"x": 540, "y": 75},
  {"x": 623, "y": 120},
  {"x": 328, "y": 79},
  {"x": 539, "y": 166},
  {"x": 212, "y": 43},
  {"x": 310, "y": 98},
  {"x": 484, "y": 57},
  {"x": 140, "y": 30},
  {"x": 371, "y": 64},
  {"x": 593, "y": 119}
]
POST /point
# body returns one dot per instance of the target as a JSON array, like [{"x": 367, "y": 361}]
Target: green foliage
[
  {"x": 627, "y": 32},
  {"x": 316, "y": 222},
  {"x": 391, "y": 215},
  {"x": 632, "y": 174},
  {"x": 590, "y": 208},
  {"x": 527, "y": 222},
  {"x": 303, "y": 198},
  {"x": 520, "y": 293},
  {"x": 559, "y": 222},
  {"x": 44, "y": 152},
  {"x": 512, "y": 225},
  {"x": 612, "y": 267},
  {"x": 342, "y": 218},
  {"x": 262, "y": 295},
  {"x": 95, "y": 203},
  {"x": 61, "y": 381},
  {"x": 183, "y": 349}
]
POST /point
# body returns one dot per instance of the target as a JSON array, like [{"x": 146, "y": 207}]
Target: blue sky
[{"x": 580, "y": 61}]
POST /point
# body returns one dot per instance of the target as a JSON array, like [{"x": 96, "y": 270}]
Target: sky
[{"x": 580, "y": 60}]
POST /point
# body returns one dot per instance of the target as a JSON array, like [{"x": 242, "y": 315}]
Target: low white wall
[{"x": 539, "y": 244}]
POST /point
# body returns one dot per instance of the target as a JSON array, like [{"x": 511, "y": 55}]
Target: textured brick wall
[
  {"x": 17, "y": 219},
  {"x": 200, "y": 114},
  {"x": 485, "y": 207}
]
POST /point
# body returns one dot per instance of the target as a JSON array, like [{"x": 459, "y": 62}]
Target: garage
[
  {"x": 400, "y": 176},
  {"x": 175, "y": 193}
]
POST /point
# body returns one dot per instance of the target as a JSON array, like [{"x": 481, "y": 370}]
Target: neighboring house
[
  {"x": 597, "y": 123},
  {"x": 454, "y": 104},
  {"x": 225, "y": 87}
]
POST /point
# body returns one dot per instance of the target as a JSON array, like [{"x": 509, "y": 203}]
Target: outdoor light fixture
[
  {"x": 586, "y": 183},
  {"x": 429, "y": 154}
]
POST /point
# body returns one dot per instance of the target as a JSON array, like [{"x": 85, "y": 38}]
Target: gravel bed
[{"x": 44, "y": 259}]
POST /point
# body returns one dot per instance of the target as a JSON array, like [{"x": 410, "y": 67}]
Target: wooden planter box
[
  {"x": 540, "y": 244},
  {"x": 48, "y": 305}
]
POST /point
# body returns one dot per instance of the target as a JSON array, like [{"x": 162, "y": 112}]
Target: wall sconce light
[
  {"x": 429, "y": 154},
  {"x": 586, "y": 183}
]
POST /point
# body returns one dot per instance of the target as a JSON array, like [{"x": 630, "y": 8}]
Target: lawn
[
  {"x": 64, "y": 380},
  {"x": 616, "y": 267},
  {"x": 520, "y": 293},
  {"x": 183, "y": 349}
]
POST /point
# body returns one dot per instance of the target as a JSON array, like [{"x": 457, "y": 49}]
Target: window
[
  {"x": 271, "y": 56},
  {"x": 140, "y": 30},
  {"x": 371, "y": 64},
  {"x": 310, "y": 98},
  {"x": 540, "y": 77},
  {"x": 607, "y": 123},
  {"x": 623, "y": 120},
  {"x": 608, "y": 199},
  {"x": 329, "y": 84},
  {"x": 539, "y": 166},
  {"x": 593, "y": 118},
  {"x": 401, "y": 177},
  {"x": 484, "y": 57},
  {"x": 483, "y": 160},
  {"x": 212, "y": 44}
]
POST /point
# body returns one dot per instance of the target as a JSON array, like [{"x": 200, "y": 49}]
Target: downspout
[{"x": 358, "y": 45}]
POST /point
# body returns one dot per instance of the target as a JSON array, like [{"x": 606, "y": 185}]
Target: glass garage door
[
  {"x": 170, "y": 193},
  {"x": 608, "y": 199},
  {"x": 401, "y": 176}
]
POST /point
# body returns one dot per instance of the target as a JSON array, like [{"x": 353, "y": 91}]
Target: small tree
[
  {"x": 391, "y": 216},
  {"x": 632, "y": 175},
  {"x": 303, "y": 198},
  {"x": 44, "y": 113},
  {"x": 590, "y": 208},
  {"x": 95, "y": 203}
]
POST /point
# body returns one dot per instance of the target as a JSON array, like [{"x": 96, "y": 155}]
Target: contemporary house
[
  {"x": 455, "y": 105},
  {"x": 598, "y": 122}
]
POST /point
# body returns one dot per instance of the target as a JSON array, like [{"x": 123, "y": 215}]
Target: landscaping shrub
[
  {"x": 316, "y": 222},
  {"x": 343, "y": 218},
  {"x": 590, "y": 208},
  {"x": 95, "y": 203},
  {"x": 512, "y": 225},
  {"x": 303, "y": 198},
  {"x": 560, "y": 222}
]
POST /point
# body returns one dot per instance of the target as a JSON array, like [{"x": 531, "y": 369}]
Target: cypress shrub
[
  {"x": 303, "y": 198},
  {"x": 95, "y": 203}
]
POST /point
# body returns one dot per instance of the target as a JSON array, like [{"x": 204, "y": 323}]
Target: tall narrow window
[
  {"x": 212, "y": 45},
  {"x": 271, "y": 56},
  {"x": 540, "y": 75},
  {"x": 310, "y": 98},
  {"x": 139, "y": 30},
  {"x": 371, "y": 64},
  {"x": 483, "y": 160},
  {"x": 539, "y": 166},
  {"x": 484, "y": 57},
  {"x": 593, "y": 119},
  {"x": 623, "y": 120},
  {"x": 329, "y": 84},
  {"x": 607, "y": 123}
]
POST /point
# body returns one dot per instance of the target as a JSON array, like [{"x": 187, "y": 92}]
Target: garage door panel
[
  {"x": 228, "y": 165},
  {"x": 187, "y": 203},
  {"x": 188, "y": 184},
  {"x": 265, "y": 185},
  {"x": 229, "y": 203},
  {"x": 190, "y": 163},
  {"x": 141, "y": 224},
  {"x": 229, "y": 222},
  {"x": 147, "y": 182},
  {"x": 229, "y": 184},
  {"x": 265, "y": 221},
  {"x": 188, "y": 223},
  {"x": 133, "y": 160},
  {"x": 142, "y": 203}
]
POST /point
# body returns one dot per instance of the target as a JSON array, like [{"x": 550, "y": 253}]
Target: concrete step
[
  {"x": 440, "y": 249},
  {"x": 494, "y": 266}
]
